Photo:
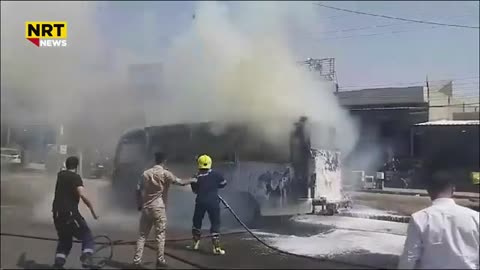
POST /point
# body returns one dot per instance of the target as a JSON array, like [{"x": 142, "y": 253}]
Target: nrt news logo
[{"x": 46, "y": 34}]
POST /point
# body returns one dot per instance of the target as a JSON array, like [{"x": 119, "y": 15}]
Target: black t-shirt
[
  {"x": 66, "y": 195},
  {"x": 207, "y": 186}
]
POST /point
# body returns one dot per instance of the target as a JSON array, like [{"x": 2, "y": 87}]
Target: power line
[
  {"x": 398, "y": 18},
  {"x": 470, "y": 105},
  {"x": 403, "y": 84},
  {"x": 379, "y": 34},
  {"x": 400, "y": 99},
  {"x": 376, "y": 26},
  {"x": 370, "y": 35},
  {"x": 360, "y": 28}
]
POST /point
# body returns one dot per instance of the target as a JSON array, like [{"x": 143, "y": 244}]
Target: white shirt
[{"x": 442, "y": 236}]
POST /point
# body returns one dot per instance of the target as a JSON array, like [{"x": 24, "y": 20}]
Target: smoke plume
[
  {"x": 77, "y": 86},
  {"x": 238, "y": 65},
  {"x": 234, "y": 62}
]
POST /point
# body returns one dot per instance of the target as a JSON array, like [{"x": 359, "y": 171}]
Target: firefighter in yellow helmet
[{"x": 206, "y": 188}]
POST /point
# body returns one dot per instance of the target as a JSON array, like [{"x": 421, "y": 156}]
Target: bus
[{"x": 263, "y": 179}]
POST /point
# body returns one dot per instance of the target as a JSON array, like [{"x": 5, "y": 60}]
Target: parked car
[
  {"x": 11, "y": 156},
  {"x": 96, "y": 170}
]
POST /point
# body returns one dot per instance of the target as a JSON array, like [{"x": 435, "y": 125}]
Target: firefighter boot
[
  {"x": 59, "y": 263},
  {"x": 87, "y": 260},
  {"x": 196, "y": 235},
  {"x": 217, "y": 249}
]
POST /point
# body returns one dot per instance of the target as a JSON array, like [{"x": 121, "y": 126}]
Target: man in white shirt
[{"x": 444, "y": 235}]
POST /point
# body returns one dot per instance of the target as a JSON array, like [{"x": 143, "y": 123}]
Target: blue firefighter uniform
[{"x": 207, "y": 186}]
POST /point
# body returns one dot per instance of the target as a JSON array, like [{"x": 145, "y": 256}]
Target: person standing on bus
[
  {"x": 68, "y": 221},
  {"x": 300, "y": 146},
  {"x": 152, "y": 193},
  {"x": 206, "y": 188}
]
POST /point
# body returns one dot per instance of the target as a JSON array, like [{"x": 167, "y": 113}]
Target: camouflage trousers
[{"x": 157, "y": 218}]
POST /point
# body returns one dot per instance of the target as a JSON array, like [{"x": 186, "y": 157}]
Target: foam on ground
[
  {"x": 365, "y": 210},
  {"x": 338, "y": 242},
  {"x": 358, "y": 224}
]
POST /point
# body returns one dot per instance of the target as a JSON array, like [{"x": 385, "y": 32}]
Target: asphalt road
[
  {"x": 242, "y": 252},
  {"x": 26, "y": 199}
]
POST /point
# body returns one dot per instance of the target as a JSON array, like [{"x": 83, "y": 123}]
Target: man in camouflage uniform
[{"x": 152, "y": 191}]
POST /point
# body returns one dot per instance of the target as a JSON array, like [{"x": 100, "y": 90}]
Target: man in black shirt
[{"x": 68, "y": 221}]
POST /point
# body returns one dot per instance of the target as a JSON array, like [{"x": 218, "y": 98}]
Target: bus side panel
[
  {"x": 328, "y": 182},
  {"x": 272, "y": 187}
]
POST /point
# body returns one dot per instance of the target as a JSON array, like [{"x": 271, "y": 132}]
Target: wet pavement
[
  {"x": 242, "y": 251},
  {"x": 25, "y": 210}
]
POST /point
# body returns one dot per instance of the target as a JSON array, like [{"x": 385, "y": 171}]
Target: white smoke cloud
[
  {"x": 237, "y": 65},
  {"x": 234, "y": 63},
  {"x": 74, "y": 85}
]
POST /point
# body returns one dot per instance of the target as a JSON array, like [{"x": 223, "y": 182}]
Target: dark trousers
[
  {"x": 213, "y": 211},
  {"x": 69, "y": 225}
]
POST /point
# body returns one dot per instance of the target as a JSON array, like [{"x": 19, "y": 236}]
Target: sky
[{"x": 366, "y": 51}]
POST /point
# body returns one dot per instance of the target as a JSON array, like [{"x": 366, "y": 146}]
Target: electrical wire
[
  {"x": 412, "y": 107},
  {"x": 408, "y": 83},
  {"x": 375, "y": 27},
  {"x": 377, "y": 34},
  {"x": 398, "y": 18}
]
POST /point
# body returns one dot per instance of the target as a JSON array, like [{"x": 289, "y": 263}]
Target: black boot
[
  {"x": 87, "y": 261},
  {"x": 59, "y": 263}
]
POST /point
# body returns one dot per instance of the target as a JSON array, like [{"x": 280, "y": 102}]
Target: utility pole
[
  {"x": 8, "y": 135},
  {"x": 428, "y": 92}
]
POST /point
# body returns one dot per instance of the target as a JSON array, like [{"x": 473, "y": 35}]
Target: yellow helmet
[{"x": 204, "y": 162}]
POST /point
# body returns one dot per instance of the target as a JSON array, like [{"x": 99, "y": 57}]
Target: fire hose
[
  {"x": 110, "y": 244},
  {"x": 320, "y": 259}
]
